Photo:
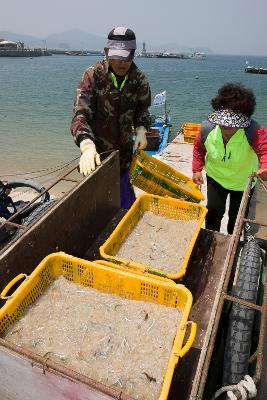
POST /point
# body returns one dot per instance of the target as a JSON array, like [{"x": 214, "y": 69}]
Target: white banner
[{"x": 160, "y": 99}]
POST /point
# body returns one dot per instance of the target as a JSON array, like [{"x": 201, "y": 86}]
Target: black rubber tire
[
  {"x": 30, "y": 213},
  {"x": 26, "y": 183},
  {"x": 239, "y": 334}
]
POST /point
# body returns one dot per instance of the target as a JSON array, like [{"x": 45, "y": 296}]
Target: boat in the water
[
  {"x": 157, "y": 137},
  {"x": 166, "y": 54},
  {"x": 198, "y": 55},
  {"x": 158, "y": 134},
  {"x": 255, "y": 70}
]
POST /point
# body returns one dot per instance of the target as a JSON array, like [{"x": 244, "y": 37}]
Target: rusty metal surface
[
  {"x": 13, "y": 224},
  {"x": 241, "y": 301},
  {"x": 255, "y": 222},
  {"x": 71, "y": 225}
]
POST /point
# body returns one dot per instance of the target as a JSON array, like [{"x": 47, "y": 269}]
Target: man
[{"x": 113, "y": 96}]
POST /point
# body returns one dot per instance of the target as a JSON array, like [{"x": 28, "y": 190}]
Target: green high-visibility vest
[{"x": 231, "y": 164}]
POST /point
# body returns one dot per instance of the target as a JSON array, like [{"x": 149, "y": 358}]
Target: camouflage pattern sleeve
[
  {"x": 84, "y": 108},
  {"x": 142, "y": 116}
]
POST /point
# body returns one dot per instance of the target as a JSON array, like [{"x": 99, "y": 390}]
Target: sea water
[{"x": 36, "y": 100}]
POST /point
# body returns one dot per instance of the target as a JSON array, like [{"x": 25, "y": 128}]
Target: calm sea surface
[{"x": 36, "y": 97}]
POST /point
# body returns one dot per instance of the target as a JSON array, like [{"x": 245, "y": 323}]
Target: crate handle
[
  {"x": 191, "y": 338},
  {"x": 10, "y": 284}
]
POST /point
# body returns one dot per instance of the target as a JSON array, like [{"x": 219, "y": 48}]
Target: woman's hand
[
  {"x": 262, "y": 173},
  {"x": 198, "y": 178}
]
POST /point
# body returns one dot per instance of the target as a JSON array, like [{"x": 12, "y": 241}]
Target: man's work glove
[
  {"x": 140, "y": 141},
  {"x": 89, "y": 158}
]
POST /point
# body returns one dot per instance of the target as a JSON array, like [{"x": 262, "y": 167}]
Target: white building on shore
[{"x": 10, "y": 45}]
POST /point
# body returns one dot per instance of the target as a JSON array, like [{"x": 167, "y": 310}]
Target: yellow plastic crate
[
  {"x": 154, "y": 176},
  {"x": 108, "y": 279},
  {"x": 190, "y": 133},
  {"x": 189, "y": 139},
  {"x": 165, "y": 206},
  {"x": 189, "y": 126}
]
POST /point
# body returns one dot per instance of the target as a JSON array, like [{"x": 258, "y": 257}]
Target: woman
[{"x": 230, "y": 146}]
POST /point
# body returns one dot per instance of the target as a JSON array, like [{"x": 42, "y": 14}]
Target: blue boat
[
  {"x": 157, "y": 138},
  {"x": 158, "y": 135}
]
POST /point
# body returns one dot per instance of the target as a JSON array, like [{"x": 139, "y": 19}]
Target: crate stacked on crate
[{"x": 190, "y": 131}]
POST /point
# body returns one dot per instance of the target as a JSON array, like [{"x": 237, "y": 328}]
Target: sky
[{"x": 225, "y": 26}]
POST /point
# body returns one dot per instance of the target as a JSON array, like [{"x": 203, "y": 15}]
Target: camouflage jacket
[{"x": 106, "y": 115}]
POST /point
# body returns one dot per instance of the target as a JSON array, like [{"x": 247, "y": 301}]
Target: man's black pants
[{"x": 217, "y": 196}]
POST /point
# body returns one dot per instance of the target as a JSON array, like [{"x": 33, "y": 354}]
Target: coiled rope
[{"x": 246, "y": 388}]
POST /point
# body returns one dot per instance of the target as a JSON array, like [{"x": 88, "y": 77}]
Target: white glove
[
  {"x": 140, "y": 141},
  {"x": 89, "y": 158}
]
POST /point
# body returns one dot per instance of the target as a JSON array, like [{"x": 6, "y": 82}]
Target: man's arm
[
  {"x": 84, "y": 108},
  {"x": 84, "y": 111},
  {"x": 142, "y": 116}
]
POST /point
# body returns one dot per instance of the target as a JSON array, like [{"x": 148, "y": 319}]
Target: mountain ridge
[{"x": 77, "y": 39}]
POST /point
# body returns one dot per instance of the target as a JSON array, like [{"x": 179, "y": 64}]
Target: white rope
[{"x": 246, "y": 388}]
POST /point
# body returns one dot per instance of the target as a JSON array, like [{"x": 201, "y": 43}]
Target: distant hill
[
  {"x": 77, "y": 39},
  {"x": 72, "y": 39},
  {"x": 29, "y": 41}
]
